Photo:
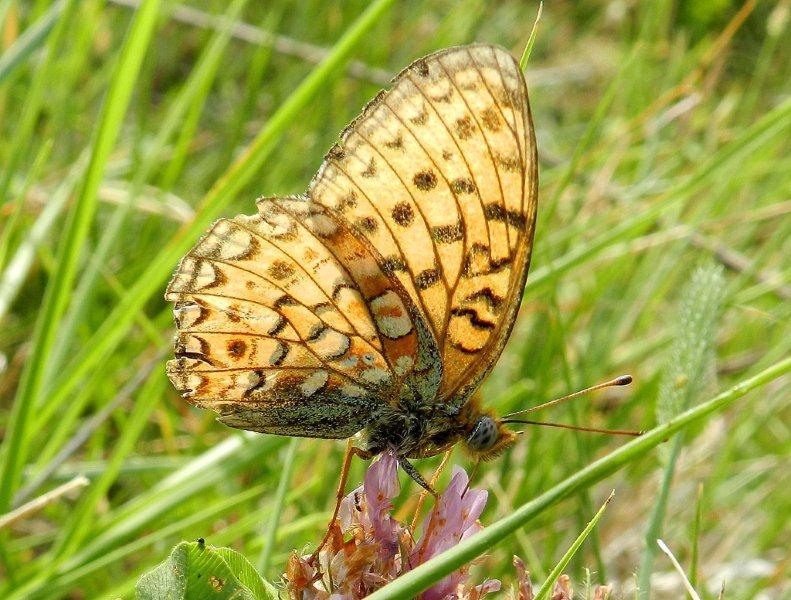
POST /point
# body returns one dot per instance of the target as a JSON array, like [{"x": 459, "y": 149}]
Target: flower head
[
  {"x": 369, "y": 548},
  {"x": 454, "y": 518}
]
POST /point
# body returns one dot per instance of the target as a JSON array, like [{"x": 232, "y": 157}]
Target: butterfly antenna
[
  {"x": 622, "y": 380},
  {"x": 578, "y": 428}
]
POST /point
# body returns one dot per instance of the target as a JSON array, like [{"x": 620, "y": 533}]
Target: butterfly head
[{"x": 488, "y": 437}]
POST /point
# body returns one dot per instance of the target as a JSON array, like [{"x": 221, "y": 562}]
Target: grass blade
[
  {"x": 277, "y": 507},
  {"x": 693, "y": 560},
  {"x": 543, "y": 592},
  {"x": 74, "y": 531},
  {"x": 22, "y": 261},
  {"x": 58, "y": 291},
  {"x": 687, "y": 585},
  {"x": 30, "y": 41},
  {"x": 531, "y": 40},
  {"x": 435, "y": 569}
]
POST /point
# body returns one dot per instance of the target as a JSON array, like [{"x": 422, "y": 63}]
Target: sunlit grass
[{"x": 663, "y": 145}]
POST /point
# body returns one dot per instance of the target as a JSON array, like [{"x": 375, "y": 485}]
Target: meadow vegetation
[{"x": 128, "y": 126}]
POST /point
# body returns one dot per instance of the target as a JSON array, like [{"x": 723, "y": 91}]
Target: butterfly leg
[
  {"x": 351, "y": 451},
  {"x": 423, "y": 493},
  {"x": 410, "y": 470}
]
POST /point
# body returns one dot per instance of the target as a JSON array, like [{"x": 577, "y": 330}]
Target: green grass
[{"x": 663, "y": 146}]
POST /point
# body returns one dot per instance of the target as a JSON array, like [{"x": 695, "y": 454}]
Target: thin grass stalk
[
  {"x": 581, "y": 442},
  {"x": 19, "y": 144},
  {"x": 21, "y": 262},
  {"x": 531, "y": 40},
  {"x": 30, "y": 41},
  {"x": 215, "y": 465},
  {"x": 588, "y": 136},
  {"x": 189, "y": 125},
  {"x": 170, "y": 532},
  {"x": 693, "y": 560},
  {"x": 10, "y": 228},
  {"x": 277, "y": 507},
  {"x": 690, "y": 364}
]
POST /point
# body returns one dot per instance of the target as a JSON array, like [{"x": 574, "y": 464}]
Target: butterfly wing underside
[
  {"x": 287, "y": 324},
  {"x": 403, "y": 266},
  {"x": 439, "y": 176}
]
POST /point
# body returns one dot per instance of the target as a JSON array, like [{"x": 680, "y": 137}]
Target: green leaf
[
  {"x": 196, "y": 571},
  {"x": 246, "y": 573}
]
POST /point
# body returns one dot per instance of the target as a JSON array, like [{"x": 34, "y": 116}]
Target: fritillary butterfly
[{"x": 377, "y": 301}]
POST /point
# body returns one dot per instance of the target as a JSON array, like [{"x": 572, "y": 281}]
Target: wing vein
[
  {"x": 304, "y": 270},
  {"x": 447, "y": 183},
  {"x": 302, "y": 341},
  {"x": 511, "y": 253},
  {"x": 341, "y": 222},
  {"x": 469, "y": 170}
]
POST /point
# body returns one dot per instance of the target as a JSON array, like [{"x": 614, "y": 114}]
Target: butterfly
[{"x": 379, "y": 300}]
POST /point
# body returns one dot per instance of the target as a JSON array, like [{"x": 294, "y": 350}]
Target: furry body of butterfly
[{"x": 379, "y": 300}]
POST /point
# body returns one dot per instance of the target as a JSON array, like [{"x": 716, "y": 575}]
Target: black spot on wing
[
  {"x": 462, "y": 185},
  {"x": 486, "y": 294},
  {"x": 392, "y": 264},
  {"x": 403, "y": 214},
  {"x": 370, "y": 170},
  {"x": 425, "y": 180},
  {"x": 366, "y": 224},
  {"x": 425, "y": 279},
  {"x": 447, "y": 234},
  {"x": 472, "y": 316}
]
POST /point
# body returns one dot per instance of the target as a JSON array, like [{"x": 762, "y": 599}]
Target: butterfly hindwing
[{"x": 269, "y": 320}]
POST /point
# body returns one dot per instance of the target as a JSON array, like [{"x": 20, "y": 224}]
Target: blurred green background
[{"x": 663, "y": 133}]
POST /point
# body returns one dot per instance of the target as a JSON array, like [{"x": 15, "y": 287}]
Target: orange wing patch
[{"x": 407, "y": 345}]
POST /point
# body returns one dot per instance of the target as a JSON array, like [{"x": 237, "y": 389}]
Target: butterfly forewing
[{"x": 439, "y": 175}]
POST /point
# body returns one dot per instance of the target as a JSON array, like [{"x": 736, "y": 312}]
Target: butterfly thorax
[
  {"x": 412, "y": 433},
  {"x": 420, "y": 430}
]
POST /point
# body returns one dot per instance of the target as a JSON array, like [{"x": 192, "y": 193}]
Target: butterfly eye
[{"x": 483, "y": 435}]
